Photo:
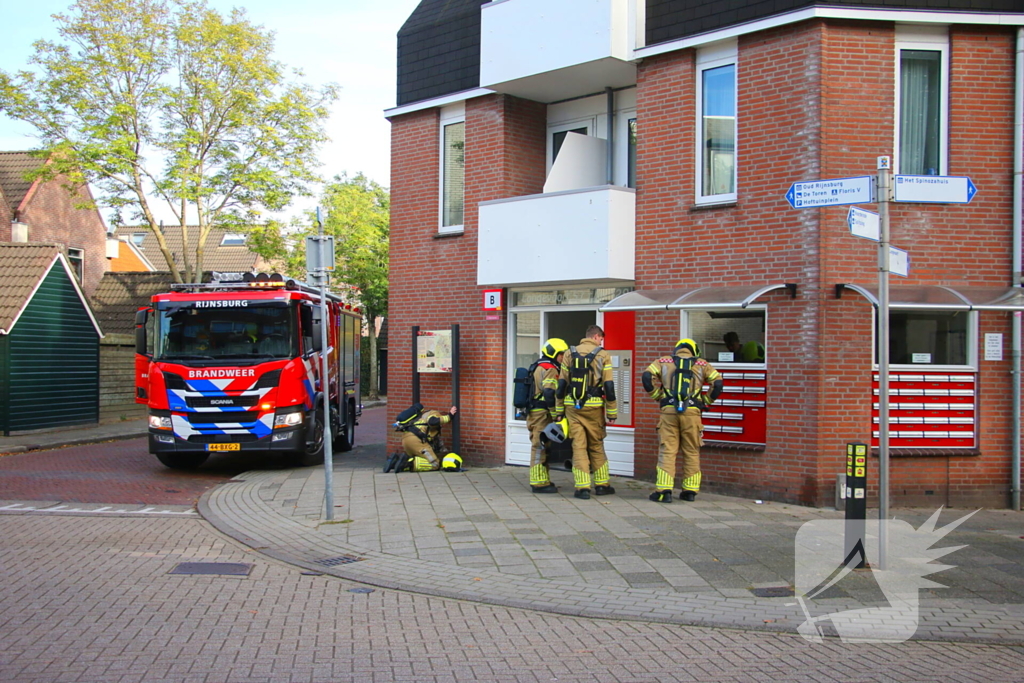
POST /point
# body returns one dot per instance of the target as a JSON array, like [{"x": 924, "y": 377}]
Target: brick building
[
  {"x": 43, "y": 211},
  {"x": 627, "y": 163}
]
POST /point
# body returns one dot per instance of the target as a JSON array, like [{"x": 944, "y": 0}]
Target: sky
[{"x": 348, "y": 42}]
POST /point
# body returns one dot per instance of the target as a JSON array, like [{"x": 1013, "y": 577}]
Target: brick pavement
[
  {"x": 90, "y": 600},
  {"x": 482, "y": 536}
]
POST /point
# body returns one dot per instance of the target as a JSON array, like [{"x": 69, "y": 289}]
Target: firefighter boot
[
  {"x": 547, "y": 488},
  {"x": 688, "y": 496},
  {"x": 604, "y": 490},
  {"x": 582, "y": 494},
  {"x": 392, "y": 462},
  {"x": 661, "y": 497},
  {"x": 406, "y": 465}
]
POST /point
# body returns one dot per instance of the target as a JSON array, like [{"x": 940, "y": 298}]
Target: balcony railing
[
  {"x": 549, "y": 50},
  {"x": 584, "y": 235}
]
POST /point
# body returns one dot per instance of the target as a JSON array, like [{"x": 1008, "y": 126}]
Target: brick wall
[
  {"x": 52, "y": 217},
  {"x": 433, "y": 278}
]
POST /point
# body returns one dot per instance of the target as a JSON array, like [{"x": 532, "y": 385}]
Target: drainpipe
[
  {"x": 1018, "y": 166},
  {"x": 610, "y": 94}
]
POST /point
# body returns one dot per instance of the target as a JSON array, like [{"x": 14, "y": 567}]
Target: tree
[
  {"x": 167, "y": 101},
  {"x": 358, "y": 214}
]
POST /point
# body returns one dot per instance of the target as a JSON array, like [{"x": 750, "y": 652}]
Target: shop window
[
  {"x": 929, "y": 338},
  {"x": 921, "y": 102},
  {"x": 716, "y": 124},
  {"x": 729, "y": 336},
  {"x": 453, "y": 168}
]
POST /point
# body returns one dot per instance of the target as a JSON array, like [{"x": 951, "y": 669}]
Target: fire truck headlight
[
  {"x": 160, "y": 421},
  {"x": 287, "y": 419}
]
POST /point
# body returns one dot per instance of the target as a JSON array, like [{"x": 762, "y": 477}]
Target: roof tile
[{"x": 22, "y": 266}]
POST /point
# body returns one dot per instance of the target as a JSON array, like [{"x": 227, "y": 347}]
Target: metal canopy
[
  {"x": 943, "y": 297},
  {"x": 698, "y": 297}
]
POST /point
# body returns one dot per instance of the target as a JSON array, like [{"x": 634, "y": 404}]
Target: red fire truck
[{"x": 236, "y": 366}]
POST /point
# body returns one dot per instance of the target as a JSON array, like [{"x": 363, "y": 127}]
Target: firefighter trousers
[
  {"x": 587, "y": 429},
  {"x": 425, "y": 460},
  {"x": 679, "y": 432},
  {"x": 536, "y": 421}
]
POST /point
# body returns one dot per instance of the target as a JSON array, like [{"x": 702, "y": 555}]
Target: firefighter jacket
[
  {"x": 428, "y": 425},
  {"x": 545, "y": 387},
  {"x": 660, "y": 371},
  {"x": 602, "y": 385}
]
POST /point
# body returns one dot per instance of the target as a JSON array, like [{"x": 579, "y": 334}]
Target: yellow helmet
[
  {"x": 690, "y": 344},
  {"x": 554, "y": 346},
  {"x": 451, "y": 463},
  {"x": 557, "y": 431}
]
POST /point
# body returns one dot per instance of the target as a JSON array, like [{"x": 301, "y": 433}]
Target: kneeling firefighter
[
  {"x": 677, "y": 382},
  {"x": 422, "y": 441}
]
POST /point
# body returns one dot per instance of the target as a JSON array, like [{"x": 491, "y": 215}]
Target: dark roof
[
  {"x": 673, "y": 19},
  {"x": 119, "y": 295},
  {"x": 439, "y": 50},
  {"x": 13, "y": 167},
  {"x": 22, "y": 266},
  {"x": 234, "y": 259}
]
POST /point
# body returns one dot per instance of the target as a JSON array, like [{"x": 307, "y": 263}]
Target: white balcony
[
  {"x": 550, "y": 50},
  {"x": 584, "y": 235}
]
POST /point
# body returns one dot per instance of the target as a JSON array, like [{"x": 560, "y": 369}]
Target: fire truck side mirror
[
  {"x": 317, "y": 332},
  {"x": 141, "y": 316}
]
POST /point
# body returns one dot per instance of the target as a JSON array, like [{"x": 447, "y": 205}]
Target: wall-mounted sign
[
  {"x": 434, "y": 351},
  {"x": 492, "y": 299}
]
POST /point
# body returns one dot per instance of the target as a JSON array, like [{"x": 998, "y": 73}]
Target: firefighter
[
  {"x": 544, "y": 409},
  {"x": 589, "y": 398},
  {"x": 421, "y": 443},
  {"x": 677, "y": 382}
]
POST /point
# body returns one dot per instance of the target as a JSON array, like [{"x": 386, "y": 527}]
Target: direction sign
[
  {"x": 899, "y": 262},
  {"x": 864, "y": 224},
  {"x": 933, "y": 189},
  {"x": 816, "y": 193}
]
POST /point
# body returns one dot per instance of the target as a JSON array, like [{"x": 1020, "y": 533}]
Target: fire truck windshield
[{"x": 232, "y": 331}]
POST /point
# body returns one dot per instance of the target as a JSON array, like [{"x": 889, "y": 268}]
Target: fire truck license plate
[{"x": 223, "y": 446}]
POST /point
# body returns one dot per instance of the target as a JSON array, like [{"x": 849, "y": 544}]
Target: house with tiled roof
[
  {"x": 44, "y": 211},
  {"x": 127, "y": 258},
  {"x": 49, "y": 341},
  {"x": 224, "y": 250}
]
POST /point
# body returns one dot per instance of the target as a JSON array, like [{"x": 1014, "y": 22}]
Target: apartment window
[
  {"x": 138, "y": 238},
  {"x": 453, "y": 168},
  {"x": 631, "y": 155},
  {"x": 76, "y": 257},
  {"x": 716, "y": 124},
  {"x": 921, "y": 101},
  {"x": 558, "y": 138},
  {"x": 232, "y": 239}
]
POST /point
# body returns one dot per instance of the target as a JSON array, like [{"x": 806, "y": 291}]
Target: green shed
[{"x": 49, "y": 342}]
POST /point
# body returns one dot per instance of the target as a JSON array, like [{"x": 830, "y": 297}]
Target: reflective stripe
[
  {"x": 601, "y": 475},
  {"x": 582, "y": 478},
  {"x": 692, "y": 483},
  {"x": 665, "y": 480},
  {"x": 538, "y": 475}
]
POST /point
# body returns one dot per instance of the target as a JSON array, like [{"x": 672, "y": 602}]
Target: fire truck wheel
[
  {"x": 344, "y": 441},
  {"x": 313, "y": 454},
  {"x": 182, "y": 461}
]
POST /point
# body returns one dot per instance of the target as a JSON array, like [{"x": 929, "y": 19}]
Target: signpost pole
[
  {"x": 325, "y": 377},
  {"x": 883, "y": 197}
]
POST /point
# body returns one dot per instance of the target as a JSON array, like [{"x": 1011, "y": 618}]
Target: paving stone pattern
[
  {"x": 91, "y": 600},
  {"x": 482, "y": 536}
]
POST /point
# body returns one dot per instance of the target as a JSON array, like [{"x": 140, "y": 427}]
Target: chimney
[
  {"x": 19, "y": 231},
  {"x": 113, "y": 247}
]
